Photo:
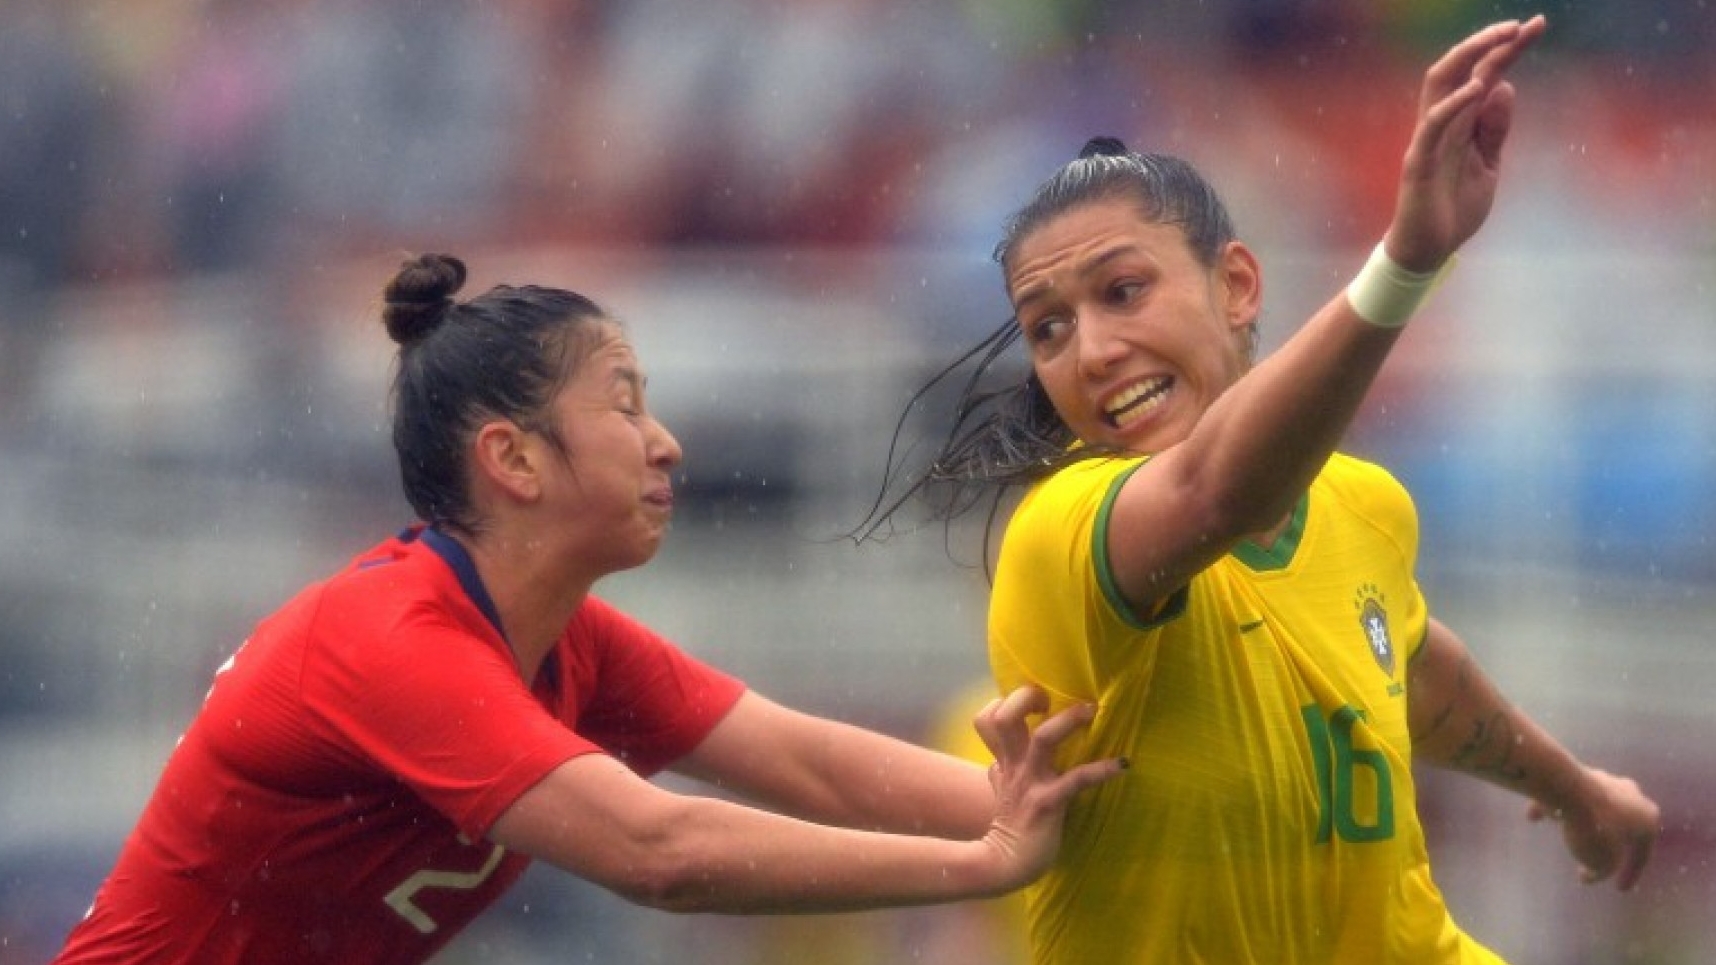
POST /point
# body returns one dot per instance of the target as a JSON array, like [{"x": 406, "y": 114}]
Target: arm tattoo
[{"x": 1488, "y": 750}]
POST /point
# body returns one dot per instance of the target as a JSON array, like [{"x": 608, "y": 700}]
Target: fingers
[
  {"x": 1019, "y": 748},
  {"x": 1086, "y": 776},
  {"x": 1484, "y": 56},
  {"x": 1612, "y": 837},
  {"x": 1002, "y": 725},
  {"x": 1495, "y": 62},
  {"x": 1632, "y": 830},
  {"x": 1447, "y": 116},
  {"x": 1051, "y": 732},
  {"x": 1492, "y": 124},
  {"x": 1004, "y": 728},
  {"x": 1455, "y": 67},
  {"x": 1633, "y": 862},
  {"x": 1628, "y": 853},
  {"x": 1469, "y": 78},
  {"x": 1048, "y": 738},
  {"x": 1022, "y": 701}
]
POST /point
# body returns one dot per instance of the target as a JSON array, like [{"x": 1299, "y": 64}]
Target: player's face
[
  {"x": 616, "y": 483},
  {"x": 1131, "y": 336}
]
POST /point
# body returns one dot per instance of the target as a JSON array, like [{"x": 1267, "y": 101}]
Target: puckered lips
[
  {"x": 660, "y": 497},
  {"x": 1136, "y": 400}
]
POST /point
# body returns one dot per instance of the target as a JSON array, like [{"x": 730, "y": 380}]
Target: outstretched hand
[
  {"x": 1031, "y": 794},
  {"x": 1453, "y": 163},
  {"x": 1612, "y": 830}
]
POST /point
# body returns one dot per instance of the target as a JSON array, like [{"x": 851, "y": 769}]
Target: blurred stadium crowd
[
  {"x": 206, "y": 135},
  {"x": 792, "y": 201}
]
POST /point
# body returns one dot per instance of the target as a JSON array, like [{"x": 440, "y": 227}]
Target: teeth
[{"x": 1134, "y": 402}]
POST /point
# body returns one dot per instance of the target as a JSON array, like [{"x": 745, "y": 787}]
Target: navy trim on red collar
[{"x": 465, "y": 569}]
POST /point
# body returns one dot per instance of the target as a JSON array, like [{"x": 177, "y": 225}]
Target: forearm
[
  {"x": 726, "y": 858},
  {"x": 594, "y": 818},
  {"x": 875, "y": 782},
  {"x": 1460, "y": 720},
  {"x": 835, "y": 773}
]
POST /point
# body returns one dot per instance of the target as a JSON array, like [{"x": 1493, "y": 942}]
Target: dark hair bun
[
  {"x": 1102, "y": 147},
  {"x": 419, "y": 297}
]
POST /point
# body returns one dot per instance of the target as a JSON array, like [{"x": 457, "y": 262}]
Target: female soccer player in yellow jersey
[{"x": 1238, "y": 599}]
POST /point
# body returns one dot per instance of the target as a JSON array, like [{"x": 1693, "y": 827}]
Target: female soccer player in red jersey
[{"x": 387, "y": 752}]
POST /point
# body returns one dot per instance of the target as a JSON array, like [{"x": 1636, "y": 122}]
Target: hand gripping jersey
[
  {"x": 1269, "y": 814},
  {"x": 329, "y": 802}
]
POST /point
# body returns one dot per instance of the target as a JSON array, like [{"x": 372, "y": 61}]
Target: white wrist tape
[{"x": 1385, "y": 294}]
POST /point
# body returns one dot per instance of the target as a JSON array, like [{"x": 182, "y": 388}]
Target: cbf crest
[{"x": 1373, "y": 618}]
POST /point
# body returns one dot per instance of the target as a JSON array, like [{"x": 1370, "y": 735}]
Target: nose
[
  {"x": 663, "y": 449},
  {"x": 1099, "y": 342}
]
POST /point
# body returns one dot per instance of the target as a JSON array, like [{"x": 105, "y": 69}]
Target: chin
[
  {"x": 648, "y": 552},
  {"x": 643, "y": 555}
]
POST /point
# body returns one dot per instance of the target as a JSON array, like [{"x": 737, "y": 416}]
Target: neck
[{"x": 532, "y": 593}]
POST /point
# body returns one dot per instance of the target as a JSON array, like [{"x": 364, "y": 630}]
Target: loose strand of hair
[{"x": 882, "y": 510}]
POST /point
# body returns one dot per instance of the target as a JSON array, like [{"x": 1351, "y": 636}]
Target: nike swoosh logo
[{"x": 1248, "y": 627}]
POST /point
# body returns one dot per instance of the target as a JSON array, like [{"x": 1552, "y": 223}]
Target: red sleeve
[
  {"x": 648, "y": 703},
  {"x": 444, "y": 711}
]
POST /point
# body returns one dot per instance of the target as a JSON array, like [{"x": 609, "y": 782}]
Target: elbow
[
  {"x": 665, "y": 884},
  {"x": 663, "y": 868},
  {"x": 593, "y": 819}
]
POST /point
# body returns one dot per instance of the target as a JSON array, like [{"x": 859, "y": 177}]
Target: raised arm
[
  {"x": 1251, "y": 455},
  {"x": 594, "y": 818},
  {"x": 1459, "y": 720}
]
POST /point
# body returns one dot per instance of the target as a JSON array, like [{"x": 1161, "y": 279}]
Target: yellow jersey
[{"x": 1269, "y": 815}]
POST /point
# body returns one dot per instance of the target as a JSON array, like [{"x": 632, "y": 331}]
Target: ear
[
  {"x": 1242, "y": 290},
  {"x": 504, "y": 457}
]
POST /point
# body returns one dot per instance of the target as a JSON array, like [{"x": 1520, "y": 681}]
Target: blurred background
[{"x": 792, "y": 204}]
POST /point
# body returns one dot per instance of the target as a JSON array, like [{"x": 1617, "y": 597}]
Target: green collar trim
[{"x": 1279, "y": 554}]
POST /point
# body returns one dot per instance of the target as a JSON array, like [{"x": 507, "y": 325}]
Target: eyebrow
[
  {"x": 1040, "y": 289},
  {"x": 631, "y": 377}
]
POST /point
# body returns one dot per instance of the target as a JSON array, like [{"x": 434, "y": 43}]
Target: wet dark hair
[
  {"x": 1005, "y": 432},
  {"x": 1165, "y": 189},
  {"x": 502, "y": 354}
]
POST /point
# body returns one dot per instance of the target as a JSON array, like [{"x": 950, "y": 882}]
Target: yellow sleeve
[{"x": 1055, "y": 616}]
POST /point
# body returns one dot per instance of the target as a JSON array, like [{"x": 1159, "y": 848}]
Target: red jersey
[{"x": 330, "y": 800}]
